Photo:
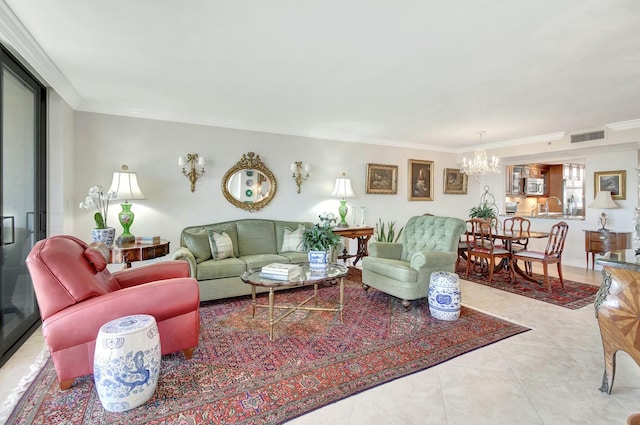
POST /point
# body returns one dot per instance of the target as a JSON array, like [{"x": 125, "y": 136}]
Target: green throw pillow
[
  {"x": 292, "y": 239},
  {"x": 221, "y": 245},
  {"x": 197, "y": 241}
]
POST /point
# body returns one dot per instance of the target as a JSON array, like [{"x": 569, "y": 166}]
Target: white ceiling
[{"x": 420, "y": 73}]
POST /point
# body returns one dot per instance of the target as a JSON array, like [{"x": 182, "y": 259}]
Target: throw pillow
[
  {"x": 97, "y": 254},
  {"x": 292, "y": 239},
  {"x": 197, "y": 241},
  {"x": 221, "y": 245}
]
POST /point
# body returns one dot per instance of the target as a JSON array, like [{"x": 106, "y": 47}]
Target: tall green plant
[
  {"x": 483, "y": 210},
  {"x": 386, "y": 232}
]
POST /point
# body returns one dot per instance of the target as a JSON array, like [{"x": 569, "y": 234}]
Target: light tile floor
[{"x": 549, "y": 375}]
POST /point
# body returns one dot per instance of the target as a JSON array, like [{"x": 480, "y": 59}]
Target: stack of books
[
  {"x": 280, "y": 271},
  {"x": 147, "y": 240}
]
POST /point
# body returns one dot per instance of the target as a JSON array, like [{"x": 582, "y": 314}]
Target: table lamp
[
  {"x": 125, "y": 186},
  {"x": 603, "y": 201},
  {"x": 343, "y": 190}
]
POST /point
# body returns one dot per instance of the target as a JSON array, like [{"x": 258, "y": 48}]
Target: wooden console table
[
  {"x": 599, "y": 242},
  {"x": 129, "y": 253},
  {"x": 362, "y": 234},
  {"x": 617, "y": 306}
]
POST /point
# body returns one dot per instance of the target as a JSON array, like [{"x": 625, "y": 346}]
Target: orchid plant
[{"x": 98, "y": 199}]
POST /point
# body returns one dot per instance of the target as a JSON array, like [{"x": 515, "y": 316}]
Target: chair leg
[
  {"x": 560, "y": 274},
  {"x": 490, "y": 263},
  {"x": 188, "y": 353},
  {"x": 468, "y": 264},
  {"x": 66, "y": 384},
  {"x": 406, "y": 304},
  {"x": 547, "y": 282}
]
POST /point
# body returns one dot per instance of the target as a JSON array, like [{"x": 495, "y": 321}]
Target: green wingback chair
[{"x": 403, "y": 268}]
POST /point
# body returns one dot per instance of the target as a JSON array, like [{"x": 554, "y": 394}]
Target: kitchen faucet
[{"x": 546, "y": 204}]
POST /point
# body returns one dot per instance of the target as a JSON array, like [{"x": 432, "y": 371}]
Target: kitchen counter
[{"x": 544, "y": 216}]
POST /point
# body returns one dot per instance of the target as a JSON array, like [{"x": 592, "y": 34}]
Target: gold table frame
[{"x": 335, "y": 272}]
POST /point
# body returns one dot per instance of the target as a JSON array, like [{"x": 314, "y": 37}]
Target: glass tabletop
[{"x": 306, "y": 276}]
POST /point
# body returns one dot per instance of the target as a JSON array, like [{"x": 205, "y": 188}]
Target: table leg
[
  {"x": 341, "y": 302},
  {"x": 362, "y": 248},
  {"x": 253, "y": 301},
  {"x": 271, "y": 321}
]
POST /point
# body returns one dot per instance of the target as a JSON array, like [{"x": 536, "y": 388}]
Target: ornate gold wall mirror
[{"x": 249, "y": 184}]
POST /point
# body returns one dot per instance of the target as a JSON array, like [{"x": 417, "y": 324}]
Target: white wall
[{"x": 151, "y": 148}]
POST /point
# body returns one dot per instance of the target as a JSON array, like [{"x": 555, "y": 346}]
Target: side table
[
  {"x": 599, "y": 242},
  {"x": 362, "y": 234},
  {"x": 128, "y": 253}
]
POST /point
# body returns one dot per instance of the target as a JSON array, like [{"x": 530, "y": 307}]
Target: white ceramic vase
[{"x": 318, "y": 261}]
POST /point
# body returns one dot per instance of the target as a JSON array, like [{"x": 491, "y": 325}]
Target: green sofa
[
  {"x": 256, "y": 243},
  {"x": 403, "y": 269}
]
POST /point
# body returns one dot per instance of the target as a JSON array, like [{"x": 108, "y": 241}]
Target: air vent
[{"x": 585, "y": 137}]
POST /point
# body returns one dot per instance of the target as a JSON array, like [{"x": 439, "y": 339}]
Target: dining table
[{"x": 509, "y": 237}]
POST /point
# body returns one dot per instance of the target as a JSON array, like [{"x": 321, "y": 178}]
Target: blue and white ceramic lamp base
[{"x": 127, "y": 362}]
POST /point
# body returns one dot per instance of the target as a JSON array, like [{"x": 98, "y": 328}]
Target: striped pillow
[{"x": 221, "y": 245}]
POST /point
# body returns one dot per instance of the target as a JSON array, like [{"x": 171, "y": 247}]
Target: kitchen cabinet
[{"x": 514, "y": 183}]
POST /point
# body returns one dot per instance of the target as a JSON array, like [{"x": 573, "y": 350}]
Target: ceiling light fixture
[{"x": 480, "y": 165}]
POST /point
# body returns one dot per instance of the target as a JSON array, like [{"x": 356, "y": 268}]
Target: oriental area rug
[
  {"x": 574, "y": 295},
  {"x": 238, "y": 376}
]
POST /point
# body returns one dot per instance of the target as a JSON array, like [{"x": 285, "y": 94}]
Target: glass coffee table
[{"x": 335, "y": 274}]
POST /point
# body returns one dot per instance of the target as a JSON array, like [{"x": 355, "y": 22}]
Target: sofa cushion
[
  {"x": 197, "y": 241},
  {"x": 292, "y": 240},
  {"x": 296, "y": 257},
  {"x": 221, "y": 245},
  {"x": 393, "y": 269},
  {"x": 255, "y": 262},
  {"x": 215, "y": 269},
  {"x": 256, "y": 237}
]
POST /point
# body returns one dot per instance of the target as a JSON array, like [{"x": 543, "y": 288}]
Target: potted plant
[
  {"x": 389, "y": 235},
  {"x": 319, "y": 239},
  {"x": 98, "y": 199},
  {"x": 483, "y": 210}
]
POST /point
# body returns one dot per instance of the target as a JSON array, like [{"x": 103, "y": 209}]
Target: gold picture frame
[
  {"x": 382, "y": 179},
  {"x": 613, "y": 181},
  {"x": 455, "y": 181},
  {"x": 420, "y": 180}
]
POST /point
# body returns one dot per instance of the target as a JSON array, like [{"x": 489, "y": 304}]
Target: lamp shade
[
  {"x": 603, "y": 201},
  {"x": 343, "y": 189},
  {"x": 125, "y": 185}
]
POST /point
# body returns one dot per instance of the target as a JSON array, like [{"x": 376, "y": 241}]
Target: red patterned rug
[
  {"x": 574, "y": 295},
  {"x": 238, "y": 376}
]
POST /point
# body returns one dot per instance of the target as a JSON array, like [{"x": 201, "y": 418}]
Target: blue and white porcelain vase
[
  {"x": 126, "y": 363},
  {"x": 318, "y": 261},
  {"x": 106, "y": 235},
  {"x": 444, "y": 296}
]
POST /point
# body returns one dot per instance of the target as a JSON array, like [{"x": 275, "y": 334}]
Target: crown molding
[
  {"x": 624, "y": 125},
  {"x": 21, "y": 43}
]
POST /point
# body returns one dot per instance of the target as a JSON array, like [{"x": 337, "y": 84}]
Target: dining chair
[
  {"x": 481, "y": 245},
  {"x": 518, "y": 225},
  {"x": 552, "y": 253}
]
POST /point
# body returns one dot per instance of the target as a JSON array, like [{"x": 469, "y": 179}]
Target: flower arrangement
[
  {"x": 98, "y": 199},
  {"x": 320, "y": 237}
]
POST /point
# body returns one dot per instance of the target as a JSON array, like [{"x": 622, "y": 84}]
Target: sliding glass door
[{"x": 22, "y": 212}]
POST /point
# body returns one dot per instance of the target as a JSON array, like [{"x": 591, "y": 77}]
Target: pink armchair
[{"x": 77, "y": 294}]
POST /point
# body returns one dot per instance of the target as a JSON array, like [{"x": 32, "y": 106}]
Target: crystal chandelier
[{"x": 480, "y": 165}]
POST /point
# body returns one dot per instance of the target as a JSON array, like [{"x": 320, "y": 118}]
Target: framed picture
[
  {"x": 455, "y": 181},
  {"x": 613, "y": 181},
  {"x": 382, "y": 179},
  {"x": 420, "y": 180}
]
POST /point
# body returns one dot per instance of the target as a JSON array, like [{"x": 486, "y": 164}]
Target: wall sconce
[
  {"x": 196, "y": 168},
  {"x": 296, "y": 169}
]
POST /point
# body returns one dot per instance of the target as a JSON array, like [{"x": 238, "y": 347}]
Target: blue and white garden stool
[
  {"x": 444, "y": 296},
  {"x": 126, "y": 364}
]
